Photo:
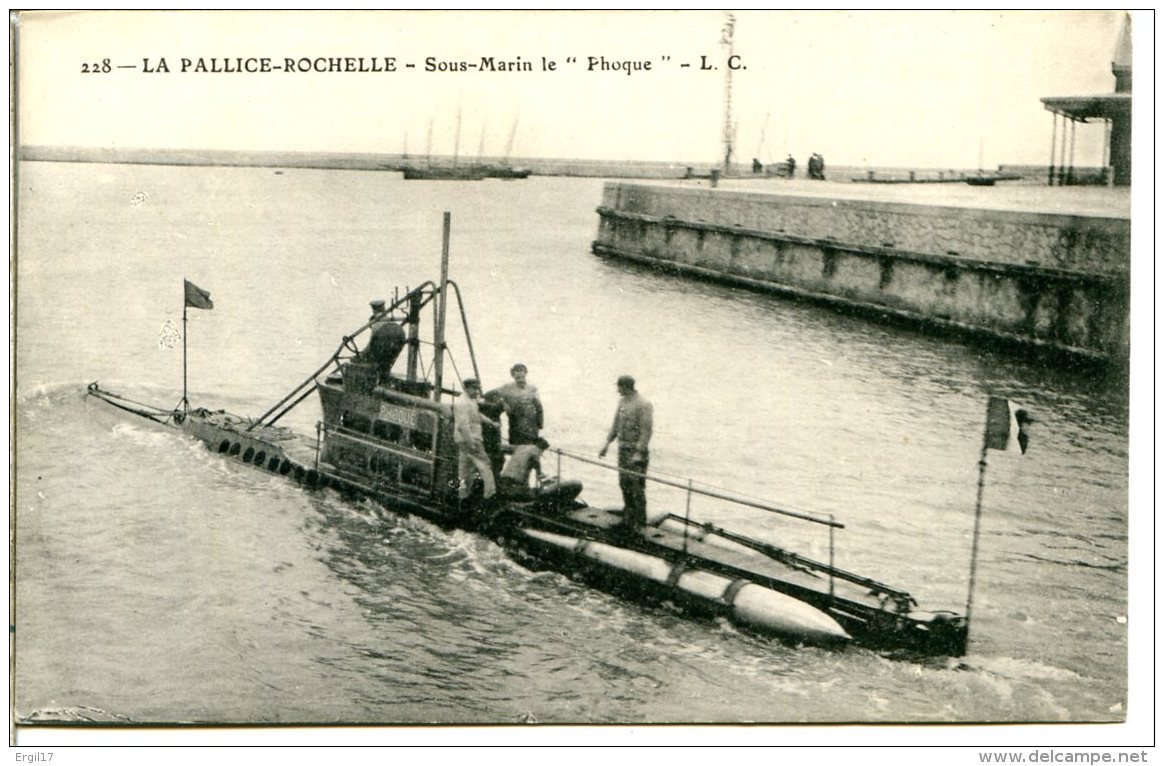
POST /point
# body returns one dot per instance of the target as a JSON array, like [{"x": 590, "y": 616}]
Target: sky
[{"x": 893, "y": 88}]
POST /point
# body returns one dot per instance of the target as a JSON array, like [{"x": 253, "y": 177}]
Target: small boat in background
[
  {"x": 443, "y": 173},
  {"x": 506, "y": 172},
  {"x": 440, "y": 172},
  {"x": 981, "y": 179},
  {"x": 505, "y": 169}
]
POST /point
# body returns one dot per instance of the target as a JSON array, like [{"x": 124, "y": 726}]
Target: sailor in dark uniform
[
  {"x": 632, "y": 427},
  {"x": 523, "y": 407},
  {"x": 388, "y": 340},
  {"x": 491, "y": 407}
]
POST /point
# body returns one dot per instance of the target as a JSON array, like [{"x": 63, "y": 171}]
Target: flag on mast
[
  {"x": 196, "y": 297},
  {"x": 1006, "y": 425}
]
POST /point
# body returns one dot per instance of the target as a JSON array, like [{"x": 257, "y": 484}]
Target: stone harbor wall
[{"x": 1037, "y": 279}]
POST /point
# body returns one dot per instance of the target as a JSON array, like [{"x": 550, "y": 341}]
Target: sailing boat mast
[
  {"x": 509, "y": 144},
  {"x": 457, "y": 140},
  {"x": 728, "y": 128}
]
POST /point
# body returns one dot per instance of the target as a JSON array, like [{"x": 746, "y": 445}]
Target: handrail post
[
  {"x": 687, "y": 518},
  {"x": 832, "y": 568},
  {"x": 558, "y": 487}
]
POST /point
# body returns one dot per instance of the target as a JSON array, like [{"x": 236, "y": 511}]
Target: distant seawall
[
  {"x": 393, "y": 162},
  {"x": 350, "y": 161},
  {"x": 1058, "y": 282}
]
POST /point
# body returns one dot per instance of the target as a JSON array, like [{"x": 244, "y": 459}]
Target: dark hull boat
[
  {"x": 506, "y": 172},
  {"x": 460, "y": 172},
  {"x": 387, "y": 434},
  {"x": 439, "y": 173}
]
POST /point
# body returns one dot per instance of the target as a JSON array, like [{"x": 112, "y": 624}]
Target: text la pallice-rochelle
[{"x": 256, "y": 64}]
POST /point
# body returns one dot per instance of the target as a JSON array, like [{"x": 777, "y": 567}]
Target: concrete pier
[{"x": 1030, "y": 279}]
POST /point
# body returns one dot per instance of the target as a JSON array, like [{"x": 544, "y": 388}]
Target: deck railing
[{"x": 768, "y": 549}]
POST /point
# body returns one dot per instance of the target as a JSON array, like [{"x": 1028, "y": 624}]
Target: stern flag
[
  {"x": 196, "y": 297},
  {"x": 1006, "y": 425}
]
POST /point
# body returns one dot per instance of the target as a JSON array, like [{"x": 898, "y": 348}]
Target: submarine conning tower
[{"x": 383, "y": 426}]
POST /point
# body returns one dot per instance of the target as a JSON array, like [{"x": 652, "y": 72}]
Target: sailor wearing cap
[
  {"x": 523, "y": 407},
  {"x": 471, "y": 458},
  {"x": 387, "y": 341},
  {"x": 632, "y": 426}
]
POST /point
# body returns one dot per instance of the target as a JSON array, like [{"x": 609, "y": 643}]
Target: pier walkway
[{"x": 1028, "y": 196}]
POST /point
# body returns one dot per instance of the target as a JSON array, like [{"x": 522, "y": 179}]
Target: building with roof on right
[{"x": 1114, "y": 109}]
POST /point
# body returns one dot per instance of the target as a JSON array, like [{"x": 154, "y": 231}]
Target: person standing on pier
[
  {"x": 632, "y": 426},
  {"x": 816, "y": 167},
  {"x": 471, "y": 458},
  {"x": 523, "y": 408}
]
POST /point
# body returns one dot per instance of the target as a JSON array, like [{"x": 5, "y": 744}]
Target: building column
[
  {"x": 1071, "y": 163},
  {"x": 1054, "y": 133},
  {"x": 1108, "y": 174}
]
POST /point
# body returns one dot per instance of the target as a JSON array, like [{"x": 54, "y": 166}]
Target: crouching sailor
[
  {"x": 472, "y": 462},
  {"x": 526, "y": 460}
]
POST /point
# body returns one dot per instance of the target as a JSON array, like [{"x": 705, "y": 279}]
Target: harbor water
[{"x": 156, "y": 582}]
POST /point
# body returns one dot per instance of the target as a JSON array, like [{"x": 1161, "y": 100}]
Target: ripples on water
[{"x": 157, "y": 582}]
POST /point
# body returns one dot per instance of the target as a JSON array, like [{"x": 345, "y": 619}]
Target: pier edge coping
[{"x": 1112, "y": 278}]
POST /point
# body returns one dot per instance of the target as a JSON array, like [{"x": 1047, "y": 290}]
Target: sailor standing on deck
[
  {"x": 522, "y": 406},
  {"x": 491, "y": 408},
  {"x": 632, "y": 427},
  {"x": 471, "y": 458}
]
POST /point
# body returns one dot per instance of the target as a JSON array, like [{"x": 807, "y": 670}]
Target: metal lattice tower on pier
[{"x": 729, "y": 129}]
